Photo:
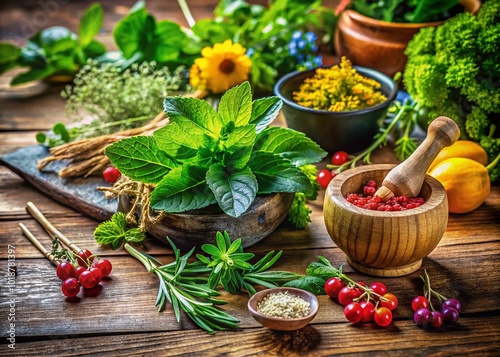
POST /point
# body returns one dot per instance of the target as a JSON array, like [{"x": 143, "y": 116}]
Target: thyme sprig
[{"x": 186, "y": 291}]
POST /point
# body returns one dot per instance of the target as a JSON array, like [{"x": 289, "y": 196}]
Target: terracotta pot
[
  {"x": 197, "y": 227},
  {"x": 379, "y": 44}
]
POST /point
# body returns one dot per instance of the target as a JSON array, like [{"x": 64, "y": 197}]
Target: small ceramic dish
[{"x": 279, "y": 323}]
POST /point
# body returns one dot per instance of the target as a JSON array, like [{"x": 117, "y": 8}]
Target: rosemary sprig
[
  {"x": 180, "y": 286},
  {"x": 229, "y": 267}
]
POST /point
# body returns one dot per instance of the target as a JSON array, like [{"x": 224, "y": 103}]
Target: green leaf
[
  {"x": 312, "y": 284},
  {"x": 234, "y": 191},
  {"x": 181, "y": 139},
  {"x": 234, "y": 246},
  {"x": 321, "y": 270},
  {"x": 182, "y": 189},
  {"x": 168, "y": 41},
  {"x": 94, "y": 49},
  {"x": 60, "y": 129},
  {"x": 238, "y": 147},
  {"x": 236, "y": 105},
  {"x": 210, "y": 249},
  {"x": 32, "y": 75},
  {"x": 140, "y": 159},
  {"x": 8, "y": 53},
  {"x": 221, "y": 243},
  {"x": 264, "y": 111},
  {"x": 32, "y": 55},
  {"x": 198, "y": 111},
  {"x": 290, "y": 144},
  {"x": 114, "y": 231},
  {"x": 127, "y": 32},
  {"x": 90, "y": 24},
  {"x": 277, "y": 174},
  {"x": 41, "y": 137}
]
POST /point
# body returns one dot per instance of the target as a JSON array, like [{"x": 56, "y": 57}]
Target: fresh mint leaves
[
  {"x": 114, "y": 232},
  {"x": 226, "y": 157}
]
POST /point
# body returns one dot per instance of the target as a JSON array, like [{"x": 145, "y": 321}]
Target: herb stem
[{"x": 186, "y": 12}]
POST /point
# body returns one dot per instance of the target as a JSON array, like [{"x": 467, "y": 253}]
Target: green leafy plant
[
  {"x": 181, "y": 285},
  {"x": 454, "y": 70},
  {"x": 55, "y": 50},
  {"x": 114, "y": 232},
  {"x": 412, "y": 11},
  {"x": 230, "y": 268},
  {"x": 204, "y": 156},
  {"x": 140, "y": 37}
]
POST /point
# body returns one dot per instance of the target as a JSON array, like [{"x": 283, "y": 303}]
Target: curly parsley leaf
[{"x": 114, "y": 232}]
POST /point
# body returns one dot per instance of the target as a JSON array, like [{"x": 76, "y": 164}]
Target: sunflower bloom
[{"x": 221, "y": 67}]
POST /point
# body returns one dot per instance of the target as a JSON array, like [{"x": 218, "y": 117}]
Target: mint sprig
[{"x": 228, "y": 157}]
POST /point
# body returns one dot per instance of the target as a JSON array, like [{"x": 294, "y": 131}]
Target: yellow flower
[{"x": 221, "y": 67}]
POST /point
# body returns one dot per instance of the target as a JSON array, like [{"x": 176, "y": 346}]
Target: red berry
[
  {"x": 98, "y": 274},
  {"x": 105, "y": 266},
  {"x": 85, "y": 258},
  {"x": 324, "y": 177},
  {"x": 382, "y": 316},
  {"x": 392, "y": 302},
  {"x": 353, "y": 312},
  {"x": 111, "y": 174},
  {"x": 70, "y": 287},
  {"x": 339, "y": 158},
  {"x": 368, "y": 310},
  {"x": 378, "y": 288},
  {"x": 348, "y": 294},
  {"x": 437, "y": 319},
  {"x": 419, "y": 302},
  {"x": 423, "y": 317},
  {"x": 333, "y": 286},
  {"x": 88, "y": 279},
  {"x": 78, "y": 271},
  {"x": 65, "y": 270}
]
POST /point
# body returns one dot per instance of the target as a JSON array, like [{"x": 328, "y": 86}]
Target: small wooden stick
[
  {"x": 36, "y": 214},
  {"x": 37, "y": 244}
]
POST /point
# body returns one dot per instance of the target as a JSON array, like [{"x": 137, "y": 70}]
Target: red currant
[
  {"x": 422, "y": 317},
  {"x": 378, "y": 288},
  {"x": 88, "y": 279},
  {"x": 78, "y": 271},
  {"x": 437, "y": 319},
  {"x": 454, "y": 303},
  {"x": 97, "y": 273},
  {"x": 392, "y": 302},
  {"x": 419, "y": 302},
  {"x": 353, "y": 312},
  {"x": 70, "y": 287},
  {"x": 450, "y": 315},
  {"x": 333, "y": 286},
  {"x": 382, "y": 316},
  {"x": 84, "y": 258},
  {"x": 65, "y": 270},
  {"x": 111, "y": 174},
  {"x": 105, "y": 266},
  {"x": 368, "y": 310},
  {"x": 324, "y": 177},
  {"x": 339, "y": 158},
  {"x": 348, "y": 294}
]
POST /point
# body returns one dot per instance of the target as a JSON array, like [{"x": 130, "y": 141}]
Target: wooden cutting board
[{"x": 79, "y": 194}]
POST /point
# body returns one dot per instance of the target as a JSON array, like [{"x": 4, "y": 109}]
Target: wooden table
[{"x": 122, "y": 320}]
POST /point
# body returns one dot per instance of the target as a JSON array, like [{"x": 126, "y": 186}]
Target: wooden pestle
[{"x": 407, "y": 177}]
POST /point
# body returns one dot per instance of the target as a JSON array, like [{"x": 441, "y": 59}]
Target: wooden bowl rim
[
  {"x": 271, "y": 320},
  {"x": 334, "y": 191}
]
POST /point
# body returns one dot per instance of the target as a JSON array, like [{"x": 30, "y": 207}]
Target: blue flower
[
  {"x": 297, "y": 35},
  {"x": 311, "y": 37},
  {"x": 318, "y": 61},
  {"x": 300, "y": 58},
  {"x": 301, "y": 44},
  {"x": 292, "y": 48},
  {"x": 250, "y": 52},
  {"x": 308, "y": 65}
]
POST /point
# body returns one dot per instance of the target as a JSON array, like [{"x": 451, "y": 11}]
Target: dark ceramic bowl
[
  {"x": 282, "y": 324},
  {"x": 350, "y": 131}
]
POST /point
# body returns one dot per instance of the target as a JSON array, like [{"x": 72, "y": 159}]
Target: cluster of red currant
[
  {"x": 362, "y": 303},
  {"x": 83, "y": 271},
  {"x": 426, "y": 316}
]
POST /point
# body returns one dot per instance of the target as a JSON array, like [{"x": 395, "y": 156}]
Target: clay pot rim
[
  {"x": 365, "y": 71},
  {"x": 475, "y": 5},
  {"x": 335, "y": 194}
]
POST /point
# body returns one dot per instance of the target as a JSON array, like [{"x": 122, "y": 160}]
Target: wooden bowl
[
  {"x": 384, "y": 243},
  {"x": 282, "y": 324},
  {"x": 198, "y": 227}
]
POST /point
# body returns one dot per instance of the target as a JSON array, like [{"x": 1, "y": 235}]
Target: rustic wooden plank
[
  {"x": 38, "y": 289},
  {"x": 314, "y": 340}
]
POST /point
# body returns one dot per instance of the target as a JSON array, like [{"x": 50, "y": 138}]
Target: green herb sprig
[
  {"x": 180, "y": 288},
  {"x": 114, "y": 232},
  {"x": 228, "y": 157},
  {"x": 229, "y": 267}
]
